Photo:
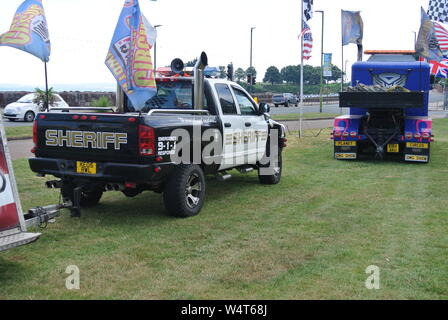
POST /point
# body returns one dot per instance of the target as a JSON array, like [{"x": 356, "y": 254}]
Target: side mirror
[{"x": 263, "y": 108}]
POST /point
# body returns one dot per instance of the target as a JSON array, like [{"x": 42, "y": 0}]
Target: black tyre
[
  {"x": 276, "y": 105},
  {"x": 90, "y": 199},
  {"x": 185, "y": 191},
  {"x": 12, "y": 120},
  {"x": 268, "y": 174},
  {"x": 29, "y": 116}
]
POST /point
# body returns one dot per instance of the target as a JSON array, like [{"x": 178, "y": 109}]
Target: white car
[{"x": 25, "y": 109}]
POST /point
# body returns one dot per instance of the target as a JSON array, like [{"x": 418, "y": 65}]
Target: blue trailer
[{"x": 391, "y": 122}]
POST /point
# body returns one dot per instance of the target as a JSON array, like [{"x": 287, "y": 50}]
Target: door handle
[
  {"x": 248, "y": 124},
  {"x": 227, "y": 125}
]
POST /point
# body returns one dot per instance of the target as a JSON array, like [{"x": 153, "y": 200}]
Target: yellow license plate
[
  {"x": 393, "y": 148},
  {"x": 410, "y": 157},
  {"x": 417, "y": 145},
  {"x": 85, "y": 167},
  {"x": 345, "y": 155},
  {"x": 345, "y": 143}
]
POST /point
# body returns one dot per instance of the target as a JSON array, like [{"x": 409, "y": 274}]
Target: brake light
[
  {"x": 426, "y": 135},
  {"x": 146, "y": 140},
  {"x": 408, "y": 135},
  {"x": 337, "y": 133},
  {"x": 417, "y": 135},
  {"x": 345, "y": 134},
  {"x": 34, "y": 137},
  {"x": 353, "y": 134}
]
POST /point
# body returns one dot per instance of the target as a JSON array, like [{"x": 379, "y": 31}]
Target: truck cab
[{"x": 388, "y": 103}]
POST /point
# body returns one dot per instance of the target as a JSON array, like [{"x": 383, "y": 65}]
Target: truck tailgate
[{"x": 87, "y": 136}]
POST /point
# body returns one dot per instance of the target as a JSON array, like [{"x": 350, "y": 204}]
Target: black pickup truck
[{"x": 194, "y": 126}]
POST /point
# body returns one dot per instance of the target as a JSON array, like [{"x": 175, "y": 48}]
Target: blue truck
[{"x": 388, "y": 104}]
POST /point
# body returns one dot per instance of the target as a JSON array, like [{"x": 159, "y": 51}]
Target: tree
[
  {"x": 240, "y": 74},
  {"x": 41, "y": 97},
  {"x": 191, "y": 63},
  {"x": 222, "y": 72},
  {"x": 252, "y": 71},
  {"x": 272, "y": 75},
  {"x": 291, "y": 74}
]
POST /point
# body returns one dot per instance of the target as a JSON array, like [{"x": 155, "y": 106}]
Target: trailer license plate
[
  {"x": 410, "y": 157},
  {"x": 345, "y": 143},
  {"x": 417, "y": 145},
  {"x": 85, "y": 167},
  {"x": 393, "y": 148},
  {"x": 345, "y": 155}
]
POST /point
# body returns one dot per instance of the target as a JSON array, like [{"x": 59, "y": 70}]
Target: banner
[
  {"x": 327, "y": 65},
  {"x": 29, "y": 31},
  {"x": 9, "y": 218},
  {"x": 427, "y": 44},
  {"x": 129, "y": 55}
]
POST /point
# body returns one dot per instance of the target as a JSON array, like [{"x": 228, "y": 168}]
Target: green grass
[
  {"x": 19, "y": 132},
  {"x": 311, "y": 237},
  {"x": 307, "y": 115}
]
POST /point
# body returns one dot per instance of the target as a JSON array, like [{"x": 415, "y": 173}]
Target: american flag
[
  {"x": 442, "y": 37},
  {"x": 307, "y": 41}
]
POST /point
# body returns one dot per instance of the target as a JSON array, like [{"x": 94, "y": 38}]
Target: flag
[
  {"x": 29, "y": 30},
  {"x": 438, "y": 10},
  {"x": 442, "y": 37},
  {"x": 439, "y": 68},
  {"x": 307, "y": 41},
  {"x": 307, "y": 9},
  {"x": 427, "y": 45},
  {"x": 352, "y": 27},
  {"x": 129, "y": 55}
]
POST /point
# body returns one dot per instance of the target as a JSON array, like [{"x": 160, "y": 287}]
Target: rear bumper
[{"x": 105, "y": 171}]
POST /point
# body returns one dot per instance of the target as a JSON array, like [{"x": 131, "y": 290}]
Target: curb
[{"x": 19, "y": 138}]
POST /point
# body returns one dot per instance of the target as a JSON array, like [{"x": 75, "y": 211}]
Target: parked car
[
  {"x": 25, "y": 109},
  {"x": 285, "y": 99}
]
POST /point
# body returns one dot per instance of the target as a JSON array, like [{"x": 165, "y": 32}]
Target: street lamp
[
  {"x": 321, "y": 61},
  {"x": 155, "y": 49},
  {"x": 415, "y": 37},
  {"x": 251, "y": 40}
]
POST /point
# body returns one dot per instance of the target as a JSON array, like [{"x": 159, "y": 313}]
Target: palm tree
[{"x": 41, "y": 97}]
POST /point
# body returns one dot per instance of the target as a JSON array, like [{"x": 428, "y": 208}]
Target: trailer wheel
[
  {"x": 185, "y": 191},
  {"x": 91, "y": 198}
]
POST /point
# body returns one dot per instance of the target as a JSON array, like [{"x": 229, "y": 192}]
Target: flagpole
[
  {"x": 342, "y": 64},
  {"x": 46, "y": 88},
  {"x": 301, "y": 75}
]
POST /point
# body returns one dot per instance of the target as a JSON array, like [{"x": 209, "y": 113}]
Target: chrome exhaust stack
[{"x": 199, "y": 81}]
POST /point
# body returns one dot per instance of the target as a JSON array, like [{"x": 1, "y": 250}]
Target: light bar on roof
[{"x": 408, "y": 52}]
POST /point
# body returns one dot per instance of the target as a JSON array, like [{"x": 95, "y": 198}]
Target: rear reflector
[
  {"x": 408, "y": 135},
  {"x": 417, "y": 135},
  {"x": 337, "y": 133},
  {"x": 345, "y": 134},
  {"x": 426, "y": 135},
  {"x": 353, "y": 134}
]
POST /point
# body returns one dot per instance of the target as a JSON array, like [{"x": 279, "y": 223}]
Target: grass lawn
[
  {"x": 311, "y": 237},
  {"x": 308, "y": 115},
  {"x": 19, "y": 132}
]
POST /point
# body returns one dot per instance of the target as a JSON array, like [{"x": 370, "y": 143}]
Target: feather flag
[
  {"x": 129, "y": 55},
  {"x": 29, "y": 31}
]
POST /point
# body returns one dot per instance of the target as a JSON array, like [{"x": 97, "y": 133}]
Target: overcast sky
[{"x": 81, "y": 31}]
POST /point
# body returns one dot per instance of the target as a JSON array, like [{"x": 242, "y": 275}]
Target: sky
[{"x": 81, "y": 31}]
